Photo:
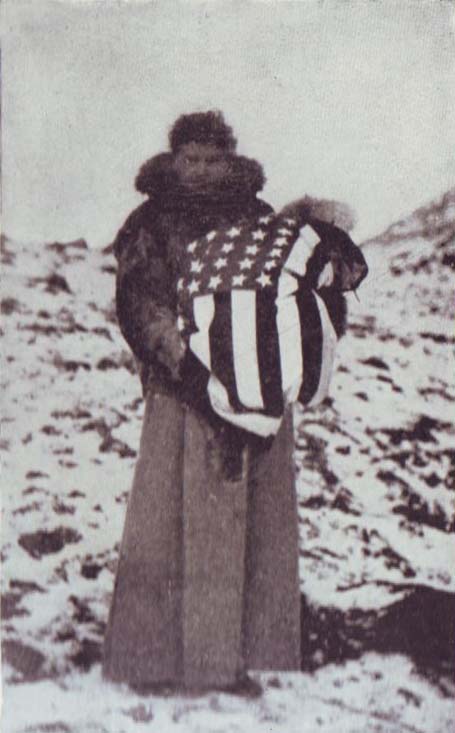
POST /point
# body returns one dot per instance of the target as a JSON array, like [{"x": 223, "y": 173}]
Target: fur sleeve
[{"x": 145, "y": 305}]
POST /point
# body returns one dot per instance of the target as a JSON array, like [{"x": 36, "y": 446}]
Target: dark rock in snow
[
  {"x": 59, "y": 507},
  {"x": 410, "y": 697},
  {"x": 76, "y": 414},
  {"x": 7, "y": 255},
  {"x": 10, "y": 305},
  {"x": 57, "y": 727},
  {"x": 88, "y": 654},
  {"x": 10, "y": 606},
  {"x": 420, "y": 625},
  {"x": 26, "y": 586},
  {"x": 39, "y": 328},
  {"x": 66, "y": 634},
  {"x": 33, "y": 507},
  {"x": 82, "y": 613},
  {"x": 34, "y": 490},
  {"x": 101, "y": 331},
  {"x": 107, "y": 363},
  {"x": 45, "y": 542},
  {"x": 420, "y": 431},
  {"x": 343, "y": 502},
  {"x": 345, "y": 450},
  {"x": 374, "y": 361},
  {"x": 432, "y": 480},
  {"x": 449, "y": 260},
  {"x": 390, "y": 478},
  {"x": 108, "y": 249},
  {"x": 110, "y": 444},
  {"x": 139, "y": 713},
  {"x": 70, "y": 365},
  {"x": 78, "y": 244},
  {"x": 401, "y": 457},
  {"x": 91, "y": 570},
  {"x": 313, "y": 502},
  {"x": 50, "y": 430},
  {"x": 126, "y": 361},
  {"x": 438, "y": 338},
  {"x": 56, "y": 284},
  {"x": 24, "y": 659},
  {"x": 416, "y": 509},
  {"x": 362, "y": 396},
  {"x": 62, "y": 247},
  {"x": 440, "y": 392}
]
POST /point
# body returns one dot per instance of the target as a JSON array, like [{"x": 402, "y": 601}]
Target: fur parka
[{"x": 148, "y": 248}]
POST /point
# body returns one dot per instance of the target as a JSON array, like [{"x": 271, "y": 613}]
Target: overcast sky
[{"x": 350, "y": 99}]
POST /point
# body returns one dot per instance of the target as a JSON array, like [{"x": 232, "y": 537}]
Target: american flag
[{"x": 265, "y": 338}]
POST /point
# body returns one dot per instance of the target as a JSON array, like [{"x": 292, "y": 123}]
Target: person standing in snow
[{"x": 207, "y": 583}]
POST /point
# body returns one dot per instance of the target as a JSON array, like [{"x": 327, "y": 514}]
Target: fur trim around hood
[
  {"x": 327, "y": 210},
  {"x": 156, "y": 175}
]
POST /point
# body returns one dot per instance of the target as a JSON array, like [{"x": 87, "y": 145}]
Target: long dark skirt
[{"x": 207, "y": 579}]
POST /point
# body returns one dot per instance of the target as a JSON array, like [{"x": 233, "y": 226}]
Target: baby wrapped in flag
[{"x": 251, "y": 308}]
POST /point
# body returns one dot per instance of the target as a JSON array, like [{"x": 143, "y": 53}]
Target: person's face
[{"x": 199, "y": 164}]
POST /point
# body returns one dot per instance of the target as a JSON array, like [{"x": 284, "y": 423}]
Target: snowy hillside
[
  {"x": 376, "y": 469},
  {"x": 386, "y": 442}
]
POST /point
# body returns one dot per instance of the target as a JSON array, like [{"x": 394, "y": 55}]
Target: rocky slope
[{"x": 376, "y": 468}]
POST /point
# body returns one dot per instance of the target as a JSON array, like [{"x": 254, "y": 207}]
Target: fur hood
[
  {"x": 326, "y": 210},
  {"x": 157, "y": 176}
]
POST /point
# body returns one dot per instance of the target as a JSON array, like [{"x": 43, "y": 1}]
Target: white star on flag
[
  {"x": 193, "y": 287},
  {"x": 180, "y": 283},
  {"x": 227, "y": 247},
  {"x": 283, "y": 230},
  {"x": 180, "y": 323},
  {"x": 233, "y": 232},
  {"x": 220, "y": 262},
  {"x": 259, "y": 235},
  {"x": 245, "y": 264},
  {"x": 214, "y": 282},
  {"x": 211, "y": 235},
  {"x": 291, "y": 222},
  {"x": 196, "y": 266},
  {"x": 264, "y": 279},
  {"x": 252, "y": 249},
  {"x": 269, "y": 265},
  {"x": 192, "y": 246},
  {"x": 275, "y": 252},
  {"x": 266, "y": 219},
  {"x": 280, "y": 241},
  {"x": 238, "y": 279}
]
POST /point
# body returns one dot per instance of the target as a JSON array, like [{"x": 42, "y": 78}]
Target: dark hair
[{"x": 202, "y": 127}]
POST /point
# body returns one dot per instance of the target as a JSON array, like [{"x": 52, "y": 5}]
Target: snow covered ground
[{"x": 376, "y": 468}]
